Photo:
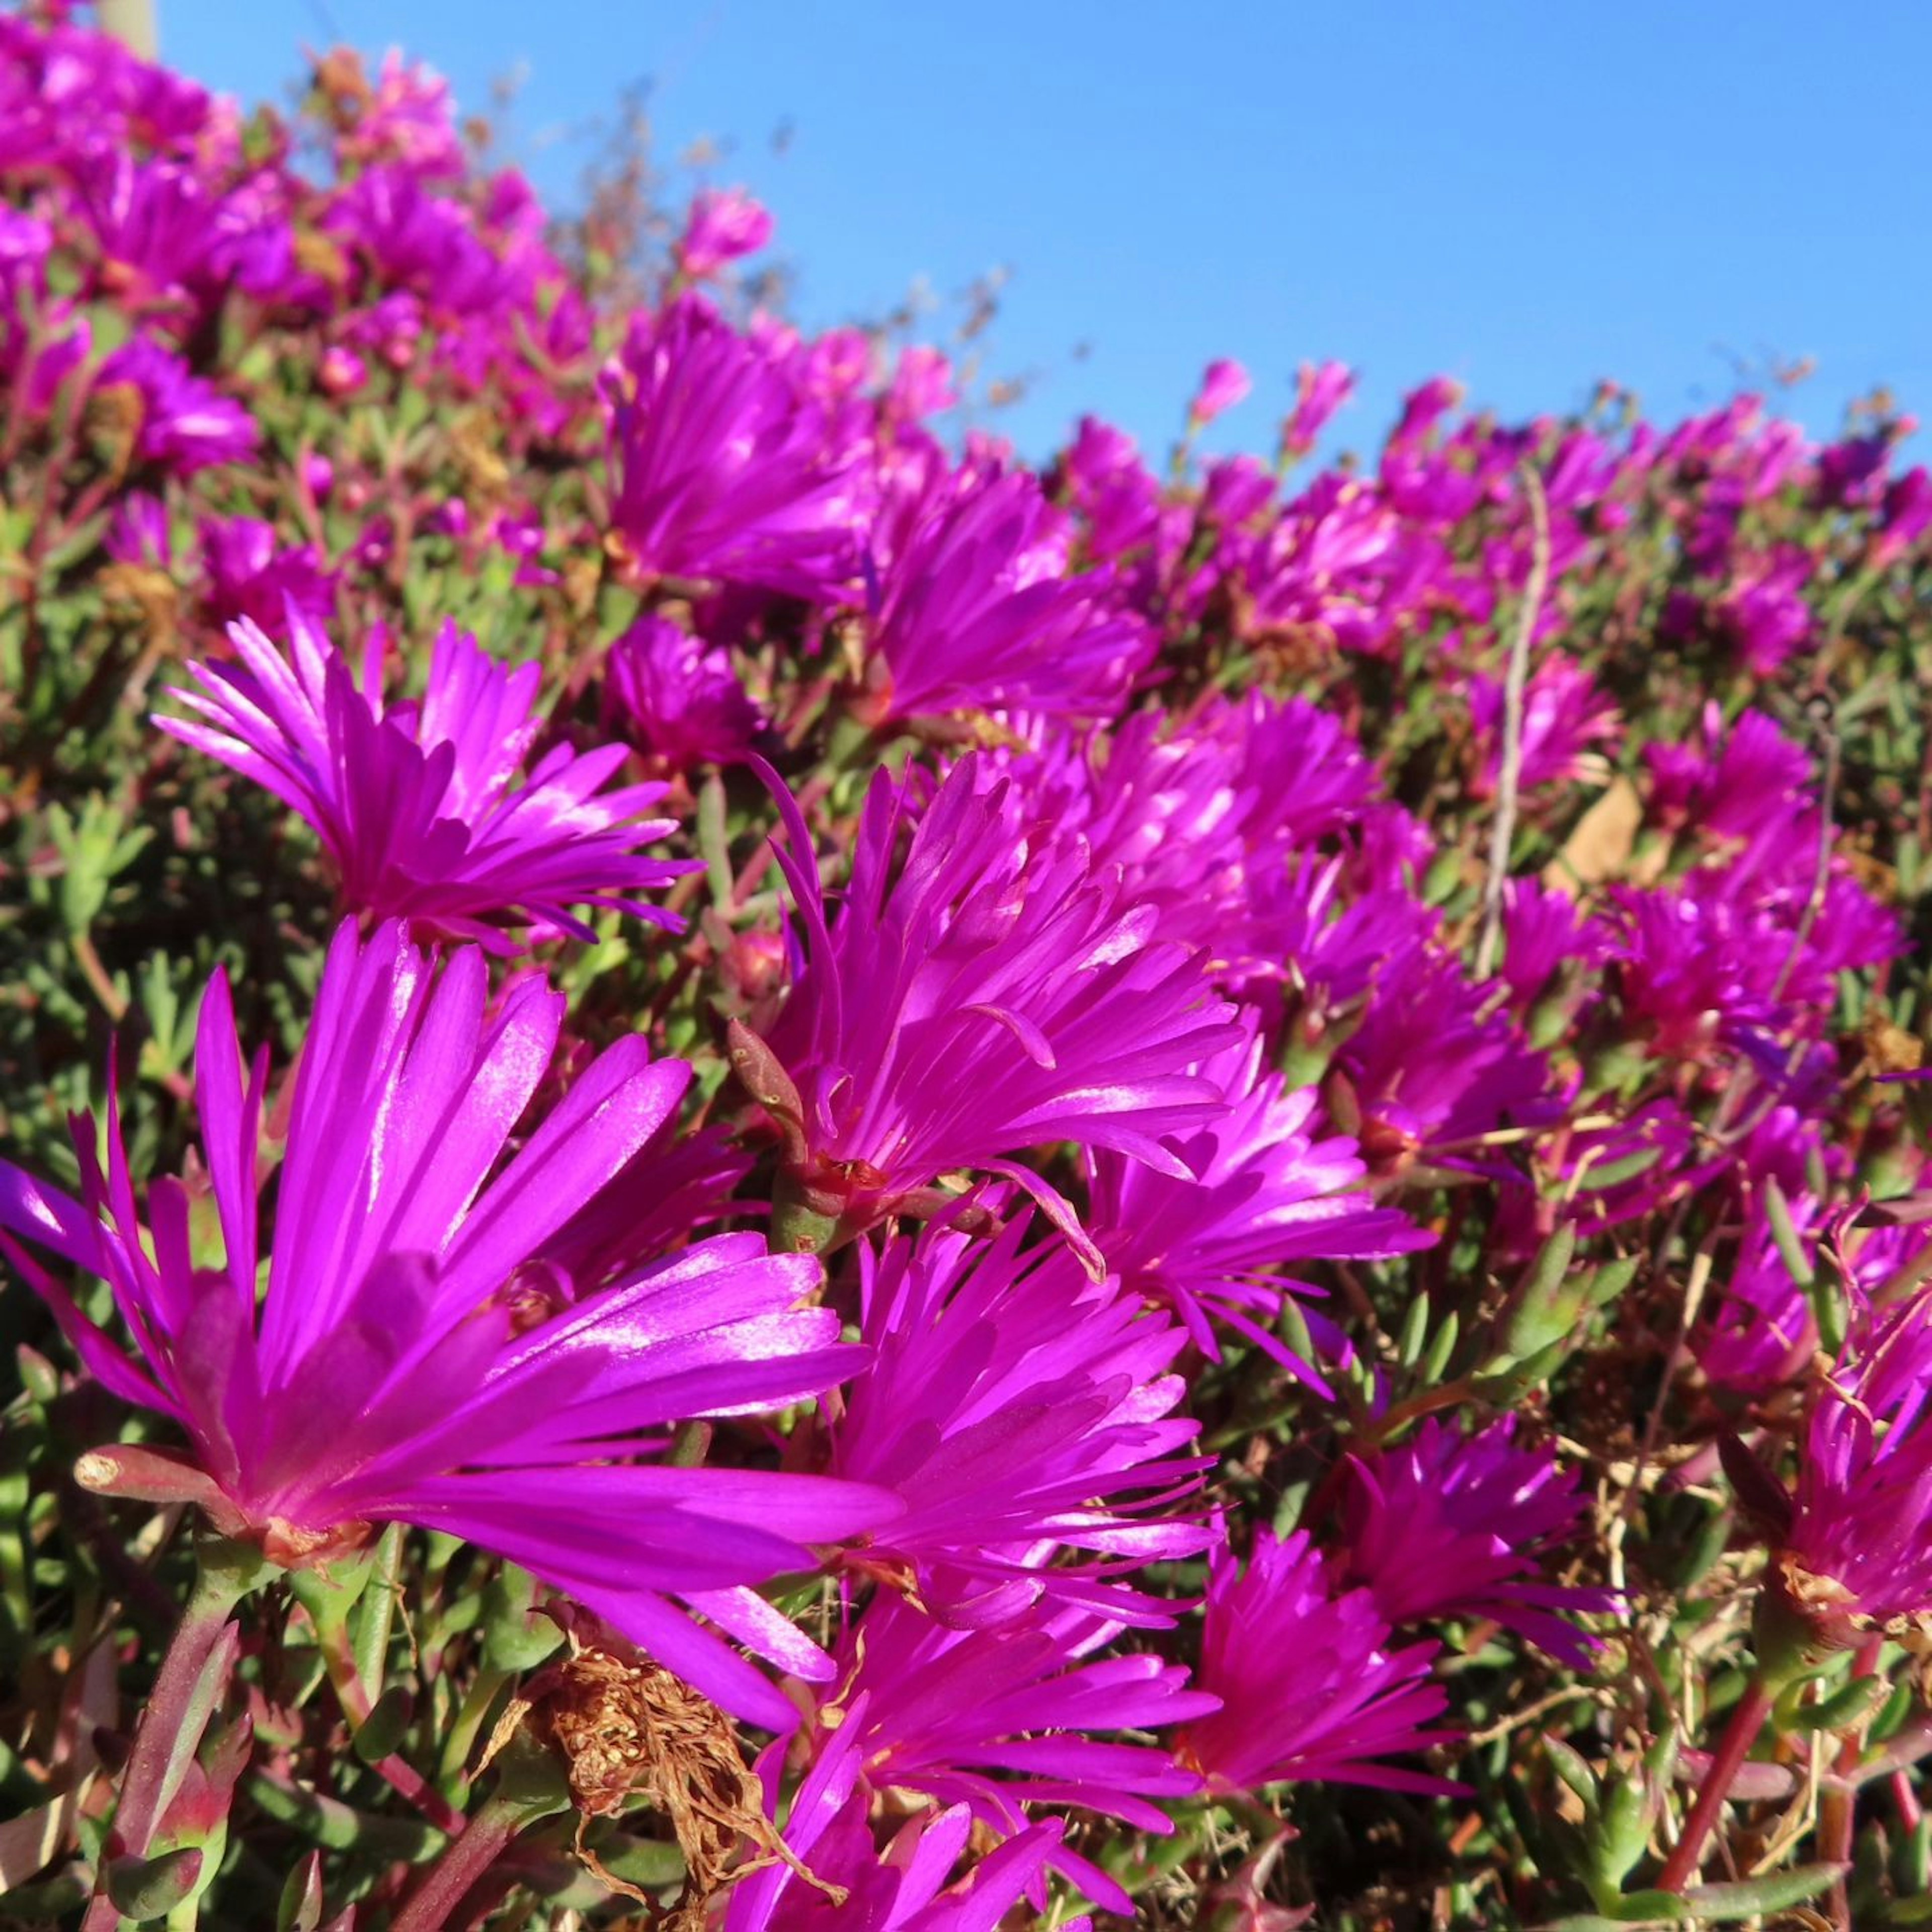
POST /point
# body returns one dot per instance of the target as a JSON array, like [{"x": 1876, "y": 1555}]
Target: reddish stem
[
  {"x": 1836, "y": 1802},
  {"x": 464, "y": 1861},
  {"x": 168, "y": 1728},
  {"x": 1740, "y": 1734}
]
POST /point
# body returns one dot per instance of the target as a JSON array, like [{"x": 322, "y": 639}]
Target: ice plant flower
[
  {"x": 404, "y": 1364},
  {"x": 181, "y": 423},
  {"x": 979, "y": 614},
  {"x": 1547, "y": 939},
  {"x": 1193, "y": 812},
  {"x": 1308, "y": 1687},
  {"x": 947, "y": 1711},
  {"x": 906, "y": 1888},
  {"x": 1025, "y": 1414},
  {"x": 682, "y": 703},
  {"x": 1223, "y": 383},
  {"x": 991, "y": 991},
  {"x": 1857, "y": 1557},
  {"x": 249, "y": 574},
  {"x": 1320, "y": 390},
  {"x": 419, "y": 804},
  {"x": 724, "y": 223},
  {"x": 1263, "y": 1191},
  {"x": 724, "y": 467},
  {"x": 1449, "y": 1524},
  {"x": 1566, "y": 717},
  {"x": 1761, "y": 1330}
]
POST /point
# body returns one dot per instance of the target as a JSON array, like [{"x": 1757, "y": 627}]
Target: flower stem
[
  {"x": 483, "y": 1841},
  {"x": 1740, "y": 1734},
  {"x": 192, "y": 1680}
]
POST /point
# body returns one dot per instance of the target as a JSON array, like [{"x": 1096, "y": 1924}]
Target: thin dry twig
[{"x": 1504, "y": 831}]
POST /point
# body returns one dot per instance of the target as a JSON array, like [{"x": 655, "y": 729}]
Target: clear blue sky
[{"x": 1527, "y": 194}]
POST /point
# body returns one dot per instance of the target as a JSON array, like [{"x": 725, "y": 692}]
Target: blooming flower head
[
  {"x": 684, "y": 704},
  {"x": 979, "y": 614},
  {"x": 1223, "y": 384},
  {"x": 1430, "y": 1067},
  {"x": 724, "y": 223},
  {"x": 724, "y": 468},
  {"x": 415, "y": 241},
  {"x": 1858, "y": 1553},
  {"x": 407, "y": 116},
  {"x": 181, "y": 423},
  {"x": 1763, "y": 614},
  {"x": 418, "y": 804},
  {"x": 1193, "y": 814},
  {"x": 906, "y": 1888},
  {"x": 993, "y": 990},
  {"x": 1025, "y": 1413},
  {"x": 1101, "y": 473},
  {"x": 1309, "y": 1690},
  {"x": 1566, "y": 716},
  {"x": 1263, "y": 1191},
  {"x": 1547, "y": 939},
  {"x": 155, "y": 224},
  {"x": 404, "y": 1362},
  {"x": 1449, "y": 1524},
  {"x": 1320, "y": 390},
  {"x": 947, "y": 1711},
  {"x": 1746, "y": 782},
  {"x": 1761, "y": 1331},
  {"x": 250, "y": 574}
]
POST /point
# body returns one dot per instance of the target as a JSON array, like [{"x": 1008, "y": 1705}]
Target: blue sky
[{"x": 1526, "y": 195}]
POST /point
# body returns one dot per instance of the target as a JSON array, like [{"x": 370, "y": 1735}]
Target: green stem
[{"x": 338, "y": 1657}]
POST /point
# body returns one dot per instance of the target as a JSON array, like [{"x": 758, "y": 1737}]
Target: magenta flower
[
  {"x": 1194, "y": 815},
  {"x": 723, "y": 469},
  {"x": 1320, "y": 390},
  {"x": 1547, "y": 939},
  {"x": 1751, "y": 782},
  {"x": 1763, "y": 614},
  {"x": 681, "y": 702},
  {"x": 1223, "y": 384},
  {"x": 1905, "y": 516},
  {"x": 407, "y": 118},
  {"x": 250, "y": 574},
  {"x": 1262, "y": 1192},
  {"x": 723, "y": 224},
  {"x": 908, "y": 1887},
  {"x": 1857, "y": 1554},
  {"x": 1761, "y": 1331},
  {"x": 420, "y": 243},
  {"x": 1101, "y": 473},
  {"x": 1024, "y": 1413},
  {"x": 418, "y": 804},
  {"x": 156, "y": 225},
  {"x": 978, "y": 614},
  {"x": 1309, "y": 1690},
  {"x": 992, "y": 991},
  {"x": 184, "y": 423},
  {"x": 923, "y": 385},
  {"x": 1449, "y": 1524},
  {"x": 947, "y": 1712},
  {"x": 1432, "y": 1068},
  {"x": 403, "y": 1363},
  {"x": 1566, "y": 718}
]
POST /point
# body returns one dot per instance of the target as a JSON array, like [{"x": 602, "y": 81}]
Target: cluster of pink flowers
[{"x": 910, "y": 1087}]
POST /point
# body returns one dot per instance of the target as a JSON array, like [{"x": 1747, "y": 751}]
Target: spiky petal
[
  {"x": 404, "y": 1364},
  {"x": 421, "y": 806}
]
